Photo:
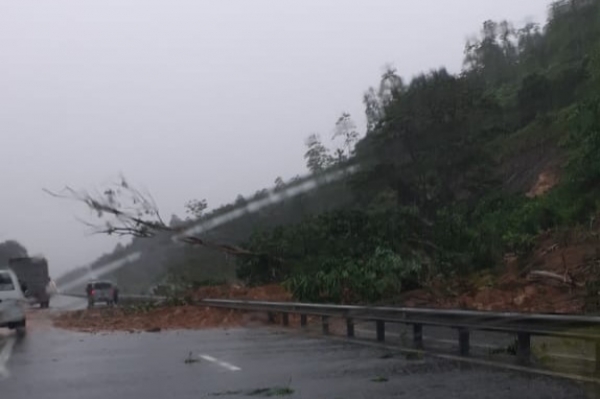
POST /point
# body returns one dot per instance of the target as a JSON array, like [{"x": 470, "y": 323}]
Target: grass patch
[
  {"x": 543, "y": 347},
  {"x": 510, "y": 349}
]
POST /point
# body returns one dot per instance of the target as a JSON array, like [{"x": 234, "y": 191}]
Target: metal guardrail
[
  {"x": 523, "y": 325},
  {"x": 123, "y": 297},
  {"x": 141, "y": 298}
]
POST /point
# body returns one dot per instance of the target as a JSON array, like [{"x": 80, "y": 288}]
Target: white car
[{"x": 12, "y": 302}]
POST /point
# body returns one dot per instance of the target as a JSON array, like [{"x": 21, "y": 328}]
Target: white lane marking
[
  {"x": 221, "y": 363},
  {"x": 5, "y": 356}
]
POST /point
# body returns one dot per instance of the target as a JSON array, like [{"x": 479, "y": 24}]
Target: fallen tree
[{"x": 124, "y": 210}]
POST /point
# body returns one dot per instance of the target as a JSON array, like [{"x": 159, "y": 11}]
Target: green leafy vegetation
[
  {"x": 381, "y": 276},
  {"x": 446, "y": 163}
]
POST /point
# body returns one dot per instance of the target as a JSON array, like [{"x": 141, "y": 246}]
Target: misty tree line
[{"x": 11, "y": 249}]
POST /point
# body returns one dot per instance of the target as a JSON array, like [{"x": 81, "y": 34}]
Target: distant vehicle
[
  {"x": 33, "y": 274},
  {"x": 101, "y": 291},
  {"x": 12, "y": 302}
]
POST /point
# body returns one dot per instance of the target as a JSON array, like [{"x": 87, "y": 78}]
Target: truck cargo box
[{"x": 33, "y": 273}]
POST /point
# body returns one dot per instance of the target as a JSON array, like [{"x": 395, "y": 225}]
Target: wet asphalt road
[{"x": 52, "y": 363}]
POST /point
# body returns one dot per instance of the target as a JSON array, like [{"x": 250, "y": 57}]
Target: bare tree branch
[{"x": 124, "y": 210}]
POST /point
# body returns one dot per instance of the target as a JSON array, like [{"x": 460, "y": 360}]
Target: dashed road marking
[
  {"x": 5, "y": 356},
  {"x": 221, "y": 363}
]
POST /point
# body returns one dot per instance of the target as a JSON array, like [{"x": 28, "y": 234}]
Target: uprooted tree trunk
[{"x": 124, "y": 210}]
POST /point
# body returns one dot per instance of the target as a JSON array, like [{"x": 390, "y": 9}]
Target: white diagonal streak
[
  {"x": 5, "y": 356},
  {"x": 221, "y": 363}
]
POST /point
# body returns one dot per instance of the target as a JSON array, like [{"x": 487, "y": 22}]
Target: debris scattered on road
[
  {"x": 277, "y": 391},
  {"x": 263, "y": 392},
  {"x": 270, "y": 292},
  {"x": 379, "y": 379},
  {"x": 191, "y": 359},
  {"x": 151, "y": 317},
  {"x": 227, "y": 393},
  {"x": 154, "y": 320}
]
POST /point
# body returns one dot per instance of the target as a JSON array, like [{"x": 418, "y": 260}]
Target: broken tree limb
[
  {"x": 124, "y": 210},
  {"x": 565, "y": 279}
]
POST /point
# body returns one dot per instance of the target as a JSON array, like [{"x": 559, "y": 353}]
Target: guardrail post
[
  {"x": 271, "y": 317},
  {"x": 303, "y": 320},
  {"x": 285, "y": 320},
  {"x": 350, "y": 328},
  {"x": 523, "y": 347},
  {"x": 418, "y": 336},
  {"x": 463, "y": 341},
  {"x": 380, "y": 326},
  {"x": 325, "y": 324},
  {"x": 597, "y": 345}
]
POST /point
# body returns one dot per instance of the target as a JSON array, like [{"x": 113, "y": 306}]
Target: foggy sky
[{"x": 193, "y": 99}]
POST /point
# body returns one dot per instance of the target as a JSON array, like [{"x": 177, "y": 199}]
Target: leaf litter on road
[
  {"x": 262, "y": 392},
  {"x": 191, "y": 359}
]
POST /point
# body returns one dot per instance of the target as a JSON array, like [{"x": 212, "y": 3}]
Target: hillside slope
[{"x": 455, "y": 172}]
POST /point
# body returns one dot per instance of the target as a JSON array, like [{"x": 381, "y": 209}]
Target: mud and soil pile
[
  {"x": 554, "y": 279},
  {"x": 272, "y": 292},
  {"x": 156, "y": 318}
]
